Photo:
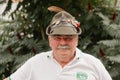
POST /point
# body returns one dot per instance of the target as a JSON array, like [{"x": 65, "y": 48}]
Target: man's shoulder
[{"x": 40, "y": 56}]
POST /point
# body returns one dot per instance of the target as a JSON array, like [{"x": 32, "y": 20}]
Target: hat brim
[{"x": 65, "y": 30}]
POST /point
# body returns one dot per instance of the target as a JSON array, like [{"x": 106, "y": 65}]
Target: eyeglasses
[{"x": 64, "y": 37}]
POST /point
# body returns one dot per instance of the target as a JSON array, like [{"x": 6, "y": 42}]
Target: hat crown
[{"x": 63, "y": 15}]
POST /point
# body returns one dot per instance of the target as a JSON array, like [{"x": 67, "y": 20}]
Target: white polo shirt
[{"x": 44, "y": 67}]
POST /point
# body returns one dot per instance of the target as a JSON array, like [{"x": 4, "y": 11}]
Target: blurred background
[{"x": 23, "y": 24}]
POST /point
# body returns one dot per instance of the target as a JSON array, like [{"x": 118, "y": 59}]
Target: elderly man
[{"x": 65, "y": 61}]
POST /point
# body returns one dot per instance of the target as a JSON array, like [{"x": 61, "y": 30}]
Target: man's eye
[{"x": 57, "y": 38}]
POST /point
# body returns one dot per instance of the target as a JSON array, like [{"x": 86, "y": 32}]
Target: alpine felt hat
[{"x": 63, "y": 23}]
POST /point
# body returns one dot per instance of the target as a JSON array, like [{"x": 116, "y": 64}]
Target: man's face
[{"x": 63, "y": 45}]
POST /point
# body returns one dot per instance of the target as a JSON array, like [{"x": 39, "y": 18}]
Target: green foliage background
[{"x": 24, "y": 36}]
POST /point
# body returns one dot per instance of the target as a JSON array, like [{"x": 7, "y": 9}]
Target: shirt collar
[{"x": 79, "y": 54}]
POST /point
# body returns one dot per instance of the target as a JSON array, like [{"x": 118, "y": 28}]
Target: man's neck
[{"x": 63, "y": 60}]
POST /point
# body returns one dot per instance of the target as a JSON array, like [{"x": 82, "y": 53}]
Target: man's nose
[{"x": 63, "y": 41}]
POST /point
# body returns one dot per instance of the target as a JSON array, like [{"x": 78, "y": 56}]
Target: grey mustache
[{"x": 63, "y": 47}]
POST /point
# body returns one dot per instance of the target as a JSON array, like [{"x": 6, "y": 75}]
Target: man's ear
[{"x": 48, "y": 38}]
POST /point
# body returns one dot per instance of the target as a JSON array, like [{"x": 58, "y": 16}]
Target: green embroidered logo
[{"x": 81, "y": 76}]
